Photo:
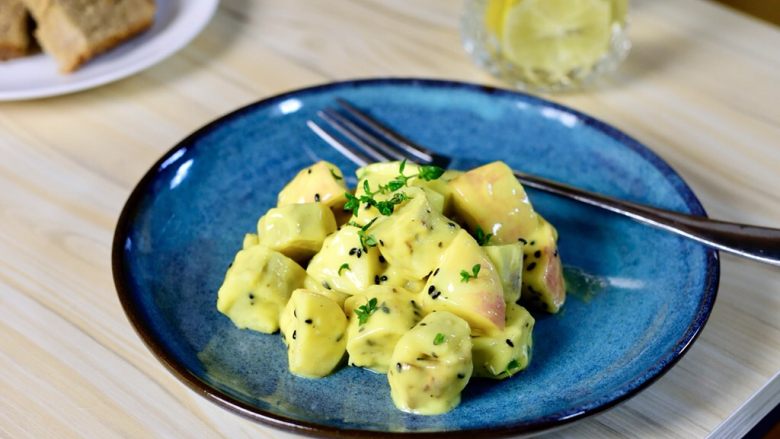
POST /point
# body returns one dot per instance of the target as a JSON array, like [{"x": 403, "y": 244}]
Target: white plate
[{"x": 177, "y": 22}]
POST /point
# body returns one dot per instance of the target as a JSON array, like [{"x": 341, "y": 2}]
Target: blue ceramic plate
[{"x": 638, "y": 297}]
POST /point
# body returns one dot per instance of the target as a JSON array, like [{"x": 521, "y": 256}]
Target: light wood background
[{"x": 701, "y": 87}]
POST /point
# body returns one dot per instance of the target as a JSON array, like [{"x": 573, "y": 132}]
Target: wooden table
[{"x": 701, "y": 87}]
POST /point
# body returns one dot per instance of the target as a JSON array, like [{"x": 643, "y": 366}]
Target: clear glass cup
[{"x": 546, "y": 45}]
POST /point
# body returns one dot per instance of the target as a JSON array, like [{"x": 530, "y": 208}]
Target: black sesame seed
[
  {"x": 338, "y": 339},
  {"x": 522, "y": 240},
  {"x": 441, "y": 244},
  {"x": 352, "y": 251},
  {"x": 538, "y": 254},
  {"x": 436, "y": 295},
  {"x": 316, "y": 197},
  {"x": 385, "y": 309},
  {"x": 527, "y": 324},
  {"x": 398, "y": 367},
  {"x": 359, "y": 253},
  {"x": 423, "y": 324},
  {"x": 435, "y": 272},
  {"x": 230, "y": 265},
  {"x": 308, "y": 171},
  {"x": 383, "y": 278},
  {"x": 308, "y": 321},
  {"x": 325, "y": 284},
  {"x": 431, "y": 289},
  {"x": 533, "y": 242},
  {"x": 382, "y": 259},
  {"x": 251, "y": 296},
  {"x": 461, "y": 376},
  {"x": 295, "y": 334},
  {"x": 382, "y": 243},
  {"x": 531, "y": 266},
  {"x": 452, "y": 225},
  {"x": 295, "y": 313},
  {"x": 509, "y": 342},
  {"x": 555, "y": 253},
  {"x": 376, "y": 279}
]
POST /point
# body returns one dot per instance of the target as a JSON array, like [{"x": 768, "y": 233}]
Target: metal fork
[{"x": 369, "y": 141}]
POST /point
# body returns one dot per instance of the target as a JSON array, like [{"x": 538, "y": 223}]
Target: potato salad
[{"x": 419, "y": 273}]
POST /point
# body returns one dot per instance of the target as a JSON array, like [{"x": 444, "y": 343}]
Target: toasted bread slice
[
  {"x": 75, "y": 31},
  {"x": 14, "y": 30}
]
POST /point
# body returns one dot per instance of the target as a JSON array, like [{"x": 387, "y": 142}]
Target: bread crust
[
  {"x": 60, "y": 36},
  {"x": 14, "y": 30}
]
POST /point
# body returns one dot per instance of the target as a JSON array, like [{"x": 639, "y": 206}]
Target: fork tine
[
  {"x": 356, "y": 157},
  {"x": 372, "y": 139},
  {"x": 416, "y": 152},
  {"x": 366, "y": 148}
]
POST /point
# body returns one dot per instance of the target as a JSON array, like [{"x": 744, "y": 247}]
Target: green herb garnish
[
  {"x": 386, "y": 208},
  {"x": 481, "y": 237},
  {"x": 343, "y": 267},
  {"x": 430, "y": 172},
  {"x": 427, "y": 173},
  {"x": 439, "y": 339},
  {"x": 511, "y": 366},
  {"x": 364, "y": 311},
  {"x": 353, "y": 203},
  {"x": 366, "y": 240},
  {"x": 465, "y": 276}
]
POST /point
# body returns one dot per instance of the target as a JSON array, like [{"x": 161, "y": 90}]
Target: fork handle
[{"x": 754, "y": 242}]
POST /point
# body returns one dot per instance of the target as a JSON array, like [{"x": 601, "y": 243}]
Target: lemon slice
[
  {"x": 556, "y": 36},
  {"x": 619, "y": 11},
  {"x": 494, "y": 17}
]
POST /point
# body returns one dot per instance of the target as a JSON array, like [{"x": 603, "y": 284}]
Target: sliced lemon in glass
[
  {"x": 556, "y": 36},
  {"x": 494, "y": 17}
]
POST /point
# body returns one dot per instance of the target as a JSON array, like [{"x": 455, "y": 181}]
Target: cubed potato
[
  {"x": 370, "y": 344},
  {"x": 344, "y": 247},
  {"x": 257, "y": 287},
  {"x": 508, "y": 261},
  {"x": 314, "y": 330},
  {"x": 431, "y": 364},
  {"x": 250, "y": 239},
  {"x": 502, "y": 355},
  {"x": 318, "y": 287},
  {"x": 381, "y": 173},
  {"x": 414, "y": 237},
  {"x": 321, "y": 182},
  {"x": 296, "y": 230},
  {"x": 396, "y": 278},
  {"x": 367, "y": 213},
  {"x": 544, "y": 287},
  {"x": 478, "y": 300},
  {"x": 491, "y": 198}
]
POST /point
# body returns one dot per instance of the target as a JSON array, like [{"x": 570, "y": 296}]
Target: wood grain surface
[{"x": 700, "y": 88}]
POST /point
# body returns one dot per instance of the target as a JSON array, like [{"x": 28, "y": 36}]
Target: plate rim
[
  {"x": 650, "y": 375},
  {"x": 209, "y": 8}
]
